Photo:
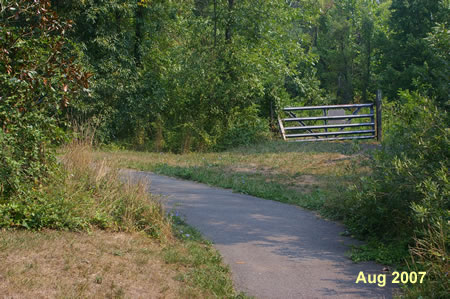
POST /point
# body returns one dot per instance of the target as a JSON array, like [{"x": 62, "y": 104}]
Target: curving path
[{"x": 274, "y": 250}]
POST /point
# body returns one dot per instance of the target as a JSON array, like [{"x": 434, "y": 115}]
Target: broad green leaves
[
  {"x": 184, "y": 67},
  {"x": 38, "y": 80}
]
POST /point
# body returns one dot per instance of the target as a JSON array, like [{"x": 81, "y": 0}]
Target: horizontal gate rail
[
  {"x": 333, "y": 139},
  {"x": 330, "y": 133},
  {"x": 330, "y": 126},
  {"x": 328, "y": 117},
  {"x": 334, "y": 126},
  {"x": 327, "y": 107},
  {"x": 291, "y": 114}
]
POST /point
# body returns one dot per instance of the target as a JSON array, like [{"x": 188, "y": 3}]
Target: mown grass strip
[
  {"x": 206, "y": 268},
  {"x": 247, "y": 184},
  {"x": 311, "y": 176}
]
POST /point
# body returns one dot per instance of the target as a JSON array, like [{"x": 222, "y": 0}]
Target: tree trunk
[
  {"x": 215, "y": 23},
  {"x": 139, "y": 20},
  {"x": 367, "y": 76},
  {"x": 228, "y": 29}
]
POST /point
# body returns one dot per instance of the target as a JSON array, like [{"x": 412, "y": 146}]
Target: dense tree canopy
[
  {"x": 196, "y": 74},
  {"x": 205, "y": 75},
  {"x": 177, "y": 73},
  {"x": 408, "y": 55}
]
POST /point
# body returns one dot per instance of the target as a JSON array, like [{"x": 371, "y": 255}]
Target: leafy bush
[
  {"x": 38, "y": 78},
  {"x": 408, "y": 188},
  {"x": 406, "y": 198},
  {"x": 245, "y": 127},
  {"x": 82, "y": 194},
  {"x": 24, "y": 158}
]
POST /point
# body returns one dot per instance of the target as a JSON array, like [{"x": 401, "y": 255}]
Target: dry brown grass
[
  {"x": 114, "y": 203},
  {"x": 124, "y": 246},
  {"x": 135, "y": 255},
  {"x": 302, "y": 167},
  {"x": 101, "y": 264}
]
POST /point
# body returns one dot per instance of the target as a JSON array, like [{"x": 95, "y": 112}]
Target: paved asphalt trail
[{"x": 274, "y": 250}]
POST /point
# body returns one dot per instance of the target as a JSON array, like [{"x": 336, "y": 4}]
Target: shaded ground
[{"x": 274, "y": 250}]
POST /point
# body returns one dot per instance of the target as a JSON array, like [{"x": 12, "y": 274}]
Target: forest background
[
  {"x": 192, "y": 75},
  {"x": 203, "y": 75}
]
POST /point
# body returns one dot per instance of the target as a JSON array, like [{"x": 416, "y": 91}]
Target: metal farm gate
[{"x": 340, "y": 122}]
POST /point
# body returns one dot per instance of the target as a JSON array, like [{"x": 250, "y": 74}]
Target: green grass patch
[
  {"x": 314, "y": 176},
  {"x": 88, "y": 196},
  {"x": 207, "y": 271},
  {"x": 303, "y": 174},
  {"x": 387, "y": 254},
  {"x": 255, "y": 184}
]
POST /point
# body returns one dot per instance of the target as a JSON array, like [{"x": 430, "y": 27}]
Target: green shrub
[
  {"x": 39, "y": 209},
  {"x": 245, "y": 127},
  {"x": 25, "y": 156},
  {"x": 81, "y": 194},
  {"x": 38, "y": 78},
  {"x": 405, "y": 200},
  {"x": 408, "y": 188}
]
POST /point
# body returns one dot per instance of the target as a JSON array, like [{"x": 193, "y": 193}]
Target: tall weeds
[
  {"x": 82, "y": 194},
  {"x": 430, "y": 253},
  {"x": 109, "y": 201},
  {"x": 406, "y": 199}
]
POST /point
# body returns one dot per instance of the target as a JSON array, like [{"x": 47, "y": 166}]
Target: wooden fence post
[{"x": 379, "y": 125}]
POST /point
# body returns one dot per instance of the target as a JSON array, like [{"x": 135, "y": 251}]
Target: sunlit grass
[
  {"x": 122, "y": 246},
  {"x": 305, "y": 174},
  {"x": 106, "y": 264}
]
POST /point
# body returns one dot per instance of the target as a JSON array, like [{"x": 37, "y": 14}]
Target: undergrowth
[
  {"x": 81, "y": 195},
  {"x": 88, "y": 195},
  {"x": 404, "y": 204}
]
